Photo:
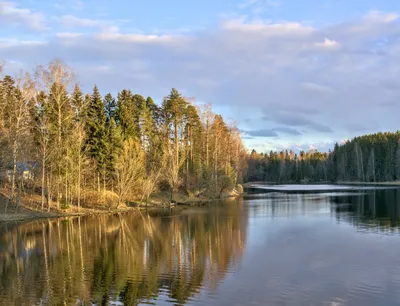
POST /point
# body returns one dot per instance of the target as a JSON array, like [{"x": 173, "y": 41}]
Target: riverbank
[
  {"x": 24, "y": 213},
  {"x": 29, "y": 209}
]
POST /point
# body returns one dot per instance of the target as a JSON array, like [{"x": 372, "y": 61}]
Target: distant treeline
[
  {"x": 61, "y": 142},
  {"x": 369, "y": 158}
]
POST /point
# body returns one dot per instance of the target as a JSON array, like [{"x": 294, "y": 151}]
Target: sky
[{"x": 291, "y": 74}]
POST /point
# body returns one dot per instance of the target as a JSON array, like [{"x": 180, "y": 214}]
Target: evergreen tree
[
  {"x": 128, "y": 144},
  {"x": 114, "y": 144},
  {"x": 97, "y": 144},
  {"x": 154, "y": 110},
  {"x": 128, "y": 114},
  {"x": 78, "y": 104},
  {"x": 110, "y": 107},
  {"x": 148, "y": 129}
]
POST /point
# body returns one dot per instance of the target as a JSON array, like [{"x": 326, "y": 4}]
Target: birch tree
[
  {"x": 129, "y": 169},
  {"x": 17, "y": 96}
]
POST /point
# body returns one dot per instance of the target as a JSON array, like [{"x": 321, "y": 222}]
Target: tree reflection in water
[
  {"x": 131, "y": 258},
  {"x": 374, "y": 211}
]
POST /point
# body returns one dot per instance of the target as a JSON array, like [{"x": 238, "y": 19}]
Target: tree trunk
[
  {"x": 48, "y": 193},
  {"x": 79, "y": 180},
  {"x": 66, "y": 180},
  {"x": 43, "y": 176},
  {"x": 98, "y": 181},
  {"x": 176, "y": 142},
  {"x": 207, "y": 157},
  {"x": 13, "y": 175}
]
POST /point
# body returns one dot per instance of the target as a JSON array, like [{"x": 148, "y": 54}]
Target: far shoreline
[{"x": 358, "y": 183}]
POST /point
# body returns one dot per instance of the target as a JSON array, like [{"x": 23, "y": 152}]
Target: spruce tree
[
  {"x": 154, "y": 110},
  {"x": 114, "y": 144},
  {"x": 78, "y": 103},
  {"x": 127, "y": 114},
  {"x": 110, "y": 107},
  {"x": 96, "y": 132},
  {"x": 148, "y": 129}
]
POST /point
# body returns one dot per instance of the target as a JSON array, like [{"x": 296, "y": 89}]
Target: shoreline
[
  {"x": 393, "y": 183},
  {"x": 25, "y": 214},
  {"x": 30, "y": 215}
]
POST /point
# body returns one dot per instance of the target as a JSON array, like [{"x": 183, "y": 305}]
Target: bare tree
[
  {"x": 56, "y": 78},
  {"x": 42, "y": 133},
  {"x": 150, "y": 182},
  {"x": 17, "y": 113},
  {"x": 172, "y": 171},
  {"x": 207, "y": 116},
  {"x": 129, "y": 169}
]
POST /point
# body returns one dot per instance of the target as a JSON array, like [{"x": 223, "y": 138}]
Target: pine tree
[
  {"x": 110, "y": 107},
  {"x": 397, "y": 163},
  {"x": 154, "y": 110},
  {"x": 371, "y": 176},
  {"x": 114, "y": 143},
  {"x": 72, "y": 132},
  {"x": 78, "y": 103},
  {"x": 193, "y": 141},
  {"x": 128, "y": 114},
  {"x": 41, "y": 135},
  {"x": 16, "y": 124},
  {"x": 148, "y": 129},
  {"x": 96, "y": 132}
]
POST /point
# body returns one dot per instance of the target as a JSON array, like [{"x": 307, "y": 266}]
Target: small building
[{"x": 25, "y": 171}]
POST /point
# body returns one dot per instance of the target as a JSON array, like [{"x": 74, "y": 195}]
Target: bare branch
[{"x": 55, "y": 72}]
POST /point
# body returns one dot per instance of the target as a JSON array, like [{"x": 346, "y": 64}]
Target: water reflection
[
  {"x": 375, "y": 211},
  {"x": 130, "y": 258},
  {"x": 367, "y": 210},
  {"x": 301, "y": 249}
]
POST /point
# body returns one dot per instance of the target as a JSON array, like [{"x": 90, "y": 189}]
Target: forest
[
  {"x": 74, "y": 149},
  {"x": 368, "y": 158}
]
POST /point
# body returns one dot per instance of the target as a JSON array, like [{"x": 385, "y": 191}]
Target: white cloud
[
  {"x": 259, "y": 3},
  {"x": 313, "y": 87},
  {"x": 263, "y": 28},
  {"x": 311, "y": 82},
  {"x": 377, "y": 16},
  {"x": 327, "y": 43},
  {"x": 76, "y": 5},
  {"x": 68, "y": 35},
  {"x": 69, "y": 21},
  {"x": 12, "y": 15}
]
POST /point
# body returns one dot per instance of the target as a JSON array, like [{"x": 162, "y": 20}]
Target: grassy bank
[
  {"x": 30, "y": 208},
  {"x": 24, "y": 212}
]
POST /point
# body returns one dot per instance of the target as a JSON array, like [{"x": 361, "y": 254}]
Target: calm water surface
[{"x": 271, "y": 248}]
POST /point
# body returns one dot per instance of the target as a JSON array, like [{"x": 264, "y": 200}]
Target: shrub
[
  {"x": 106, "y": 199},
  {"x": 164, "y": 185},
  {"x": 225, "y": 182}
]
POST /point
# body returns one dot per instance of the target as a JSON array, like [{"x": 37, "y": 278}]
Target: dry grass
[
  {"x": 30, "y": 207},
  {"x": 103, "y": 199}
]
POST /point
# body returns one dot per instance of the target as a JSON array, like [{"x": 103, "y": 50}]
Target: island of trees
[
  {"x": 369, "y": 158},
  {"x": 76, "y": 149}
]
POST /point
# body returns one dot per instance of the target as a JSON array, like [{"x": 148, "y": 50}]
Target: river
[{"x": 276, "y": 246}]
